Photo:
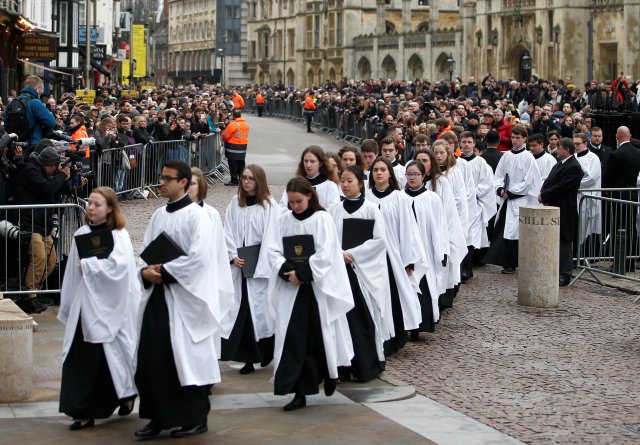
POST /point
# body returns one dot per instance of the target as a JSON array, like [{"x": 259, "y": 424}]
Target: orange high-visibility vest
[
  {"x": 237, "y": 132},
  {"x": 309, "y": 104},
  {"x": 259, "y": 99},
  {"x": 238, "y": 101},
  {"x": 79, "y": 134}
]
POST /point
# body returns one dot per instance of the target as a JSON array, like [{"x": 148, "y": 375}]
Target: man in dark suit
[
  {"x": 596, "y": 146},
  {"x": 491, "y": 153},
  {"x": 560, "y": 189},
  {"x": 622, "y": 172}
]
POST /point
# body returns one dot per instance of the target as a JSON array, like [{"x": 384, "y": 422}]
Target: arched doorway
[
  {"x": 291, "y": 78},
  {"x": 279, "y": 76},
  {"x": 389, "y": 68},
  {"x": 332, "y": 74},
  {"x": 414, "y": 68},
  {"x": 310, "y": 78},
  {"x": 520, "y": 62},
  {"x": 261, "y": 78},
  {"x": 440, "y": 70},
  {"x": 364, "y": 69}
]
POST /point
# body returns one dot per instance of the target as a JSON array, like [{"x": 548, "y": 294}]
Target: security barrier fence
[
  {"x": 135, "y": 169},
  {"x": 607, "y": 239},
  {"x": 347, "y": 124},
  {"x": 35, "y": 241}
]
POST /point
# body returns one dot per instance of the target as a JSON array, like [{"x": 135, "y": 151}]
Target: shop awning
[{"x": 46, "y": 68}]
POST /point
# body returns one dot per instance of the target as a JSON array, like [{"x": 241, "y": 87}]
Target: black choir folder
[
  {"x": 355, "y": 231},
  {"x": 298, "y": 248},
  {"x": 250, "y": 256},
  {"x": 98, "y": 244},
  {"x": 161, "y": 250}
]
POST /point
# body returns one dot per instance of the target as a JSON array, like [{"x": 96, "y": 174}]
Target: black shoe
[
  {"x": 329, "y": 387},
  {"x": 299, "y": 401},
  {"x": 247, "y": 369},
  {"x": 45, "y": 301},
  {"x": 78, "y": 425},
  {"x": 415, "y": 335},
  {"x": 508, "y": 270},
  {"x": 31, "y": 305},
  {"x": 464, "y": 277},
  {"x": 309, "y": 131},
  {"x": 470, "y": 273},
  {"x": 124, "y": 409},
  {"x": 148, "y": 431},
  {"x": 188, "y": 431},
  {"x": 231, "y": 183},
  {"x": 564, "y": 281},
  {"x": 265, "y": 363}
]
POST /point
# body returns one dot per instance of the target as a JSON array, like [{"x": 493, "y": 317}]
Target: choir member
[
  {"x": 591, "y": 212},
  {"x": 310, "y": 299},
  {"x": 517, "y": 182},
  {"x": 179, "y": 316},
  {"x": 251, "y": 215},
  {"x": 405, "y": 257},
  {"x": 99, "y": 306},
  {"x": 429, "y": 214},
  {"x": 482, "y": 197},
  {"x": 315, "y": 166},
  {"x": 389, "y": 151},
  {"x": 369, "y": 321},
  {"x": 544, "y": 160},
  {"x": 438, "y": 183}
]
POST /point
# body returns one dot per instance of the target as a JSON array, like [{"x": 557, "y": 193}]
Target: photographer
[
  {"x": 11, "y": 160},
  {"x": 39, "y": 182}
]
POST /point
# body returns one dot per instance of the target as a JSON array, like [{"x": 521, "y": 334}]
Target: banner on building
[
  {"x": 37, "y": 47},
  {"x": 139, "y": 51},
  {"x": 98, "y": 52},
  {"x": 125, "y": 70},
  {"x": 97, "y": 35},
  {"x": 125, "y": 21}
]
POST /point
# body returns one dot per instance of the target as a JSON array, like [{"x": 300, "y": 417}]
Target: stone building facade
[
  {"x": 577, "y": 39},
  {"x": 191, "y": 39},
  {"x": 304, "y": 43}
]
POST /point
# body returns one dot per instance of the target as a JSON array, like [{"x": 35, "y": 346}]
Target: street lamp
[
  {"x": 221, "y": 55},
  {"x": 451, "y": 66}
]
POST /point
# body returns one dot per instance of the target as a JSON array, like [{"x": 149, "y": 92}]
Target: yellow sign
[
  {"x": 85, "y": 96},
  {"x": 125, "y": 69},
  {"x": 139, "y": 51},
  {"x": 130, "y": 93},
  {"x": 148, "y": 86}
]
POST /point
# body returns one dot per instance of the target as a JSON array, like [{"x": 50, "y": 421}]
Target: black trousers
[
  {"x": 260, "y": 109},
  {"x": 566, "y": 259},
  {"x": 309, "y": 116},
  {"x": 235, "y": 169}
]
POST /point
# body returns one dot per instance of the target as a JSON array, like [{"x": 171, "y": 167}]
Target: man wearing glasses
[{"x": 177, "y": 355}]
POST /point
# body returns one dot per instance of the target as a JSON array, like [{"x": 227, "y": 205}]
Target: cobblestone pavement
[{"x": 543, "y": 376}]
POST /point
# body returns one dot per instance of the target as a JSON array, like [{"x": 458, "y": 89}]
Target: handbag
[
  {"x": 133, "y": 161},
  {"x": 124, "y": 161}
]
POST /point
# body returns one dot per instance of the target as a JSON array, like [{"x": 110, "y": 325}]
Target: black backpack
[{"x": 15, "y": 119}]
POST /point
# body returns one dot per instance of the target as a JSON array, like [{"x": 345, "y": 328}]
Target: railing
[
  {"x": 35, "y": 241},
  {"x": 347, "y": 124},
  {"x": 607, "y": 238},
  {"x": 135, "y": 169}
]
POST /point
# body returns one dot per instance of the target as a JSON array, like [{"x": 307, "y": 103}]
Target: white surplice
[
  {"x": 370, "y": 267},
  {"x": 193, "y": 302},
  {"x": 248, "y": 226},
  {"x": 591, "y": 211},
  {"x": 484, "y": 196},
  {"x": 330, "y": 286},
  {"x": 107, "y": 293}
]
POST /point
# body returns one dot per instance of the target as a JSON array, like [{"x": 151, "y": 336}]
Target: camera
[{"x": 10, "y": 231}]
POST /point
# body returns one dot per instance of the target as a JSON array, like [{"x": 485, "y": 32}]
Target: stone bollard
[
  {"x": 539, "y": 256},
  {"x": 16, "y": 352}
]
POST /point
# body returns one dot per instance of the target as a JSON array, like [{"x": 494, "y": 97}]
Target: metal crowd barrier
[
  {"x": 607, "y": 239},
  {"x": 140, "y": 173},
  {"x": 33, "y": 263}
]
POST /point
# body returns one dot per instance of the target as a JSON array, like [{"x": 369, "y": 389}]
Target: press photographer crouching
[{"x": 41, "y": 180}]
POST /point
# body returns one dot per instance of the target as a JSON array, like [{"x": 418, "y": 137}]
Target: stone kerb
[
  {"x": 16, "y": 352},
  {"x": 538, "y": 256}
]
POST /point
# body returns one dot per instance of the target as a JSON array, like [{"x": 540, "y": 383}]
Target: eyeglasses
[
  {"x": 413, "y": 175},
  {"x": 166, "y": 178},
  {"x": 248, "y": 178}
]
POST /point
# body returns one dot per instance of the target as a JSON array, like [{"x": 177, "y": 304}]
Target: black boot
[
  {"x": 299, "y": 401},
  {"x": 247, "y": 369}
]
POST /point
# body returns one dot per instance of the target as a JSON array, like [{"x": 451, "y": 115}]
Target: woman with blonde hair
[{"x": 99, "y": 304}]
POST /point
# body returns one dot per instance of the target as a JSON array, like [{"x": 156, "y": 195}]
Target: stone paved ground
[{"x": 568, "y": 375}]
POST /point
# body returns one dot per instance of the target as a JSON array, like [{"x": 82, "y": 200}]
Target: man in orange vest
[
  {"x": 236, "y": 139},
  {"x": 238, "y": 101},
  {"x": 309, "y": 110},
  {"x": 259, "y": 103}
]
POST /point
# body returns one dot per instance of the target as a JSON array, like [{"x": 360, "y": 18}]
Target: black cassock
[
  {"x": 241, "y": 345},
  {"x": 87, "y": 390},
  {"x": 396, "y": 343},
  {"x": 162, "y": 398}
]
